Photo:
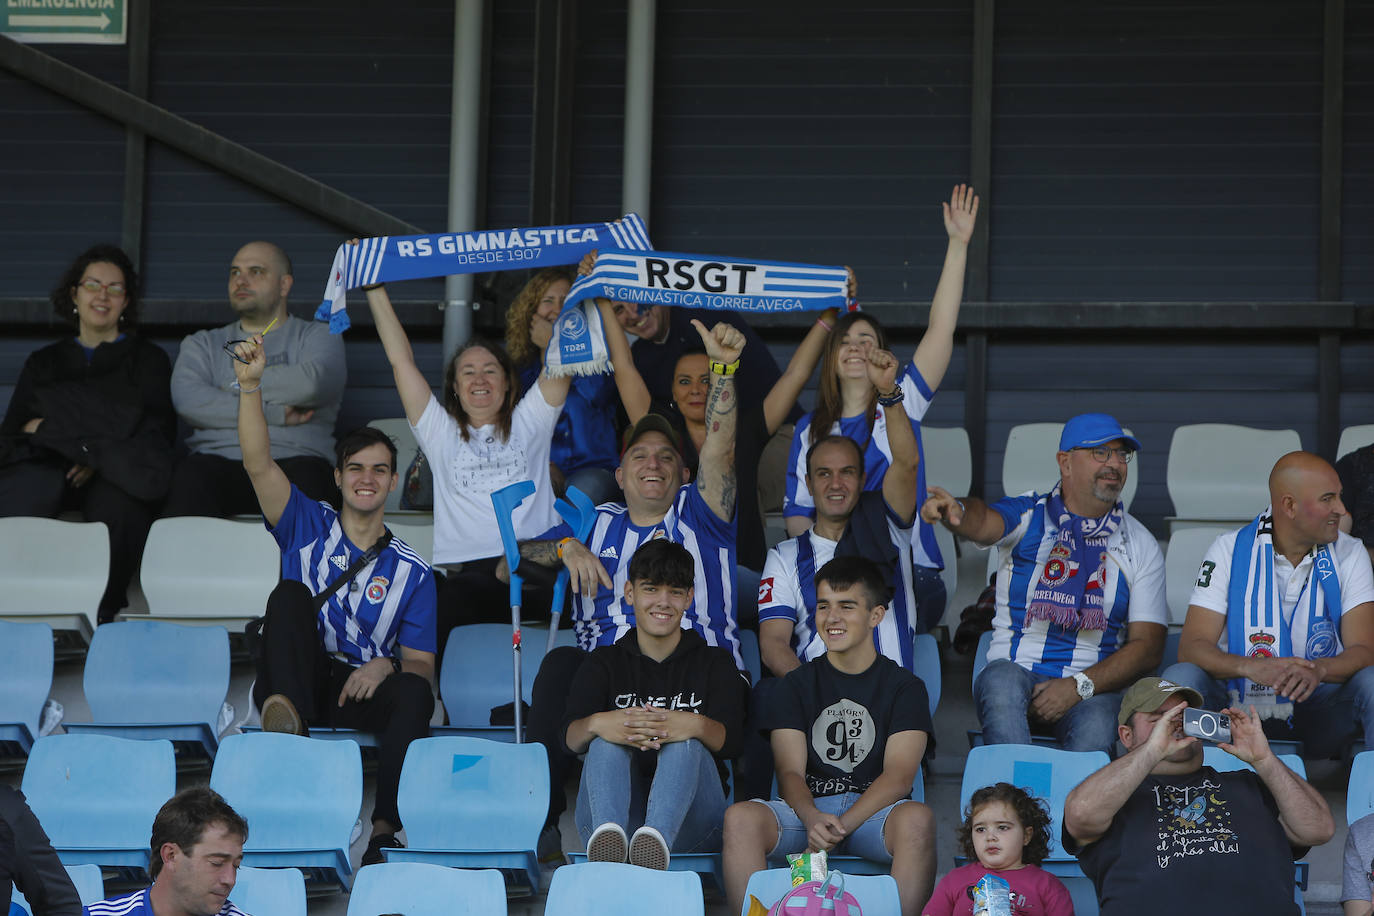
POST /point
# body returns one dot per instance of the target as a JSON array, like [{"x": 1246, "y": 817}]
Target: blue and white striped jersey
[
  {"x": 602, "y": 620},
  {"x": 138, "y": 904},
  {"x": 390, "y": 601},
  {"x": 877, "y": 456},
  {"x": 1132, "y": 593}
]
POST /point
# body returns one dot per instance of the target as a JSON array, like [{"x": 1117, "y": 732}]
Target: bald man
[
  {"x": 1282, "y": 614},
  {"x": 301, "y": 391}
]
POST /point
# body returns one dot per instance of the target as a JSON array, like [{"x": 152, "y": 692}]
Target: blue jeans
[
  {"x": 1002, "y": 694},
  {"x": 930, "y": 596},
  {"x": 685, "y": 802},
  {"x": 1324, "y": 722}
]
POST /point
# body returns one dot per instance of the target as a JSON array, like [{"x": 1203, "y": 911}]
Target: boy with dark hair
[
  {"x": 848, "y": 730},
  {"x": 659, "y": 689},
  {"x": 197, "y": 846},
  {"x": 349, "y": 634}
]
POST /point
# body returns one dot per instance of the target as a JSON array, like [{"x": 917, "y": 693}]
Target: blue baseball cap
[{"x": 1089, "y": 430}]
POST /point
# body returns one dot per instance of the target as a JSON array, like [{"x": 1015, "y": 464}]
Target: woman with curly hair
[
  {"x": 1005, "y": 833},
  {"x": 90, "y": 425},
  {"x": 584, "y": 440}
]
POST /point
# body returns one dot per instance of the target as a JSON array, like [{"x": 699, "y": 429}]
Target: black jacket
[
  {"x": 35, "y": 868},
  {"x": 113, "y": 413}
]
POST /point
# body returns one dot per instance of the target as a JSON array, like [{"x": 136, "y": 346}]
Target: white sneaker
[
  {"x": 608, "y": 844},
  {"x": 649, "y": 850},
  {"x": 50, "y": 718}
]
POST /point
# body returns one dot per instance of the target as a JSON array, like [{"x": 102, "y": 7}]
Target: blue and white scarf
[
  {"x": 415, "y": 257},
  {"x": 1255, "y": 624},
  {"x": 1072, "y": 583},
  {"x": 694, "y": 281}
]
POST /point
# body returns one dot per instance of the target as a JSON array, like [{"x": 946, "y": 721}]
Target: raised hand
[
  {"x": 724, "y": 342},
  {"x": 882, "y": 370},
  {"x": 961, "y": 213},
  {"x": 941, "y": 506},
  {"x": 1167, "y": 737},
  {"x": 1248, "y": 741},
  {"x": 251, "y": 362}
]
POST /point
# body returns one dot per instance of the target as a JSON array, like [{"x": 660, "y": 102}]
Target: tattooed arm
[{"x": 716, "y": 462}]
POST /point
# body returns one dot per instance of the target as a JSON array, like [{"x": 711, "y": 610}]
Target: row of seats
[{"x": 467, "y": 803}]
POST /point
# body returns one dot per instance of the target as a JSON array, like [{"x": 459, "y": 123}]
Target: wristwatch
[
  {"x": 396, "y": 669},
  {"x": 1085, "y": 686}
]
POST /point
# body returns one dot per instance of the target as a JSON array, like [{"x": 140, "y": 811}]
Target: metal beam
[
  {"x": 976, "y": 409},
  {"x": 1328, "y": 394},
  {"x": 135, "y": 142},
  {"x": 466, "y": 140},
  {"x": 555, "y": 34},
  {"x": 980, "y": 148},
  {"x": 636, "y": 172},
  {"x": 1333, "y": 112},
  {"x": 208, "y": 147}
]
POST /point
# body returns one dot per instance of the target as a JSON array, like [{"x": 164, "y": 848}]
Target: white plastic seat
[
  {"x": 1353, "y": 437},
  {"x": 1187, "y": 546},
  {"x": 947, "y": 458},
  {"x": 1220, "y": 473},
  {"x": 54, "y": 572},
  {"x": 1029, "y": 462},
  {"x": 398, "y": 428},
  {"x": 200, "y": 570}
]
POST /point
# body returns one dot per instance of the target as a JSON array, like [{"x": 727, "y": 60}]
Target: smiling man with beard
[{"x": 1081, "y": 611}]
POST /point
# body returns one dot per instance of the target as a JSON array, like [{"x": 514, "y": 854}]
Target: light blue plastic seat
[
  {"x": 270, "y": 891},
  {"x": 151, "y": 679},
  {"x": 1223, "y": 762},
  {"x": 300, "y": 796},
  {"x": 419, "y": 889},
  {"x": 96, "y": 797},
  {"x": 875, "y": 893},
  {"x": 25, "y": 680},
  {"x": 473, "y": 803},
  {"x": 749, "y": 649},
  {"x": 477, "y": 676},
  {"x": 89, "y": 884},
  {"x": 617, "y": 889},
  {"x": 1045, "y": 772},
  {"x": 926, "y": 655},
  {"x": 1084, "y": 894}
]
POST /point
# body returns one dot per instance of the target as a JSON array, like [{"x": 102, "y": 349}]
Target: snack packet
[
  {"x": 992, "y": 896},
  {"x": 808, "y": 866}
]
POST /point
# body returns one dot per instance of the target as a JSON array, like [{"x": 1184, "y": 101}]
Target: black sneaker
[{"x": 380, "y": 841}]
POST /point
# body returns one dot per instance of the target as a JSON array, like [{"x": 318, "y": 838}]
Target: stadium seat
[
  {"x": 418, "y": 532},
  {"x": 749, "y": 648},
  {"x": 1359, "y": 794},
  {"x": 950, "y": 574},
  {"x": 300, "y": 796},
  {"x": 927, "y": 664},
  {"x": 477, "y": 676},
  {"x": 209, "y": 571},
  {"x": 875, "y": 893},
  {"x": 274, "y": 891},
  {"x": 25, "y": 681},
  {"x": 419, "y": 889},
  {"x": 89, "y": 884},
  {"x": 1083, "y": 893},
  {"x": 96, "y": 797},
  {"x": 1045, "y": 772},
  {"x": 1220, "y": 472},
  {"x": 980, "y": 656},
  {"x": 1187, "y": 547},
  {"x": 473, "y": 803},
  {"x": 1224, "y": 762},
  {"x": 398, "y": 428},
  {"x": 54, "y": 572},
  {"x": 151, "y": 679},
  {"x": 1029, "y": 462},
  {"x": 1353, "y": 437},
  {"x": 947, "y": 458},
  {"x": 617, "y": 889}
]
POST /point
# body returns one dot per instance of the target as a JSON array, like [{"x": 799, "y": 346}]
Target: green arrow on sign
[{"x": 46, "y": 24}]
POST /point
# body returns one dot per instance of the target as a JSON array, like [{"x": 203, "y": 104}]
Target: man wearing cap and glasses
[
  {"x": 305, "y": 382},
  {"x": 1081, "y": 610},
  {"x": 1158, "y": 831}
]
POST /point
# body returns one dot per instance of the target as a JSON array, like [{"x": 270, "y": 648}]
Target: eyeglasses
[
  {"x": 1101, "y": 454},
  {"x": 95, "y": 288}
]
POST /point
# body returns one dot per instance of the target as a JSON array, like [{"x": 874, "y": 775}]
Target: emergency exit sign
[{"x": 65, "y": 21}]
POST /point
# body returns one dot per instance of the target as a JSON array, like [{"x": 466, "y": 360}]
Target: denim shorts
[{"x": 865, "y": 842}]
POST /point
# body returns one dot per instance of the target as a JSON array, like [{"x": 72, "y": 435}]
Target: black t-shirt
[
  {"x": 1201, "y": 842},
  {"x": 846, "y": 719},
  {"x": 1357, "y": 491}
]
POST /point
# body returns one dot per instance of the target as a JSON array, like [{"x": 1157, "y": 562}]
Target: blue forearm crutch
[
  {"x": 505, "y": 501},
  {"x": 579, "y": 512}
]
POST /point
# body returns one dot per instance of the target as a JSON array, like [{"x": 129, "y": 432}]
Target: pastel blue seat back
[
  {"x": 26, "y": 655},
  {"x": 477, "y": 671},
  {"x": 1223, "y": 762},
  {"x": 420, "y": 889},
  {"x": 980, "y": 655},
  {"x": 96, "y": 796},
  {"x": 274, "y": 891},
  {"x": 1045, "y": 772},
  {"x": 617, "y": 889},
  {"x": 749, "y": 649},
  {"x": 151, "y": 672},
  {"x": 1084, "y": 895},
  {"x": 473, "y": 794},
  {"x": 875, "y": 893},
  {"x": 927, "y": 659},
  {"x": 300, "y": 797}
]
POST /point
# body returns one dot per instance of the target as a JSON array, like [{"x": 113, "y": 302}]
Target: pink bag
[{"x": 818, "y": 898}]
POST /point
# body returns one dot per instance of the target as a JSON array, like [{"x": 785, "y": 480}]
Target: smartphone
[{"x": 1207, "y": 725}]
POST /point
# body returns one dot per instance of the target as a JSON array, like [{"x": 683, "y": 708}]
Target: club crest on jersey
[
  {"x": 1058, "y": 567},
  {"x": 1261, "y": 645},
  {"x": 376, "y": 589},
  {"x": 1099, "y": 577}
]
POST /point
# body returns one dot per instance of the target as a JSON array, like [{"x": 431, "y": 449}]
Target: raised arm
[
  {"x": 269, "y": 482},
  {"x": 716, "y": 462},
  {"x": 634, "y": 394},
  {"x": 899, "y": 483},
  {"x": 969, "y": 517},
  {"x": 1303, "y": 813},
  {"x": 410, "y": 383},
  {"x": 937, "y": 344},
  {"x": 784, "y": 393}
]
